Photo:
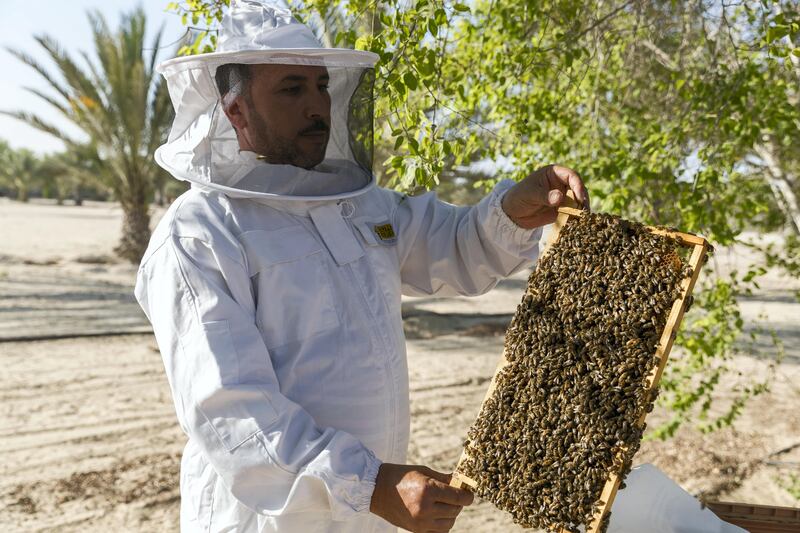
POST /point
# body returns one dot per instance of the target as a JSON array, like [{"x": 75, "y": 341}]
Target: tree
[
  {"x": 123, "y": 107},
  {"x": 72, "y": 172},
  {"x": 19, "y": 169},
  {"x": 53, "y": 177},
  {"x": 5, "y": 161}
]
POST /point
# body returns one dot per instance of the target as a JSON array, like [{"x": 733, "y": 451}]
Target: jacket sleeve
[
  {"x": 267, "y": 449},
  {"x": 448, "y": 250}
]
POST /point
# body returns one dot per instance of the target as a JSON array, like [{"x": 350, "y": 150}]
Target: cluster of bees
[{"x": 567, "y": 406}]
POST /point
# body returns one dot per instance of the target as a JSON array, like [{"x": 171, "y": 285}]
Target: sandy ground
[{"x": 89, "y": 440}]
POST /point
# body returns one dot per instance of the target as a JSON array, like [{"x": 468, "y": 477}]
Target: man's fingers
[
  {"x": 452, "y": 495},
  {"x": 573, "y": 181},
  {"x": 446, "y": 510},
  {"x": 443, "y": 524}
]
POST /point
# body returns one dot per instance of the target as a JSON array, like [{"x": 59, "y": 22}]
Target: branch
[{"x": 662, "y": 57}]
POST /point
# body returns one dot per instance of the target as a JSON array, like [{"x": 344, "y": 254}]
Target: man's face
[{"x": 287, "y": 114}]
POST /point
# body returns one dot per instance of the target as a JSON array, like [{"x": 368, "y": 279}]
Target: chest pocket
[
  {"x": 292, "y": 284},
  {"x": 380, "y": 237}
]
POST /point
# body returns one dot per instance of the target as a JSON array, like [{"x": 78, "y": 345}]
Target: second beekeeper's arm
[
  {"x": 447, "y": 250},
  {"x": 268, "y": 450}
]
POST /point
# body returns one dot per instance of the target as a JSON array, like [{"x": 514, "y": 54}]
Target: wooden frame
[
  {"x": 700, "y": 248},
  {"x": 758, "y": 518}
]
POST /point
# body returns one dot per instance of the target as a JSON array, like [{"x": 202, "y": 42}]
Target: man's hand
[
  {"x": 417, "y": 498},
  {"x": 534, "y": 201}
]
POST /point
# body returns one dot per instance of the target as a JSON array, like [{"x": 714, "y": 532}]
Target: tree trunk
[
  {"x": 22, "y": 193},
  {"x": 781, "y": 187},
  {"x": 160, "y": 197},
  {"x": 135, "y": 231}
]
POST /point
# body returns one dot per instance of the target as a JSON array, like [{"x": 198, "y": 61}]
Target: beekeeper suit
[{"x": 274, "y": 288}]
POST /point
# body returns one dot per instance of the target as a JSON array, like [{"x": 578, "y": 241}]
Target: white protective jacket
[{"x": 279, "y": 323}]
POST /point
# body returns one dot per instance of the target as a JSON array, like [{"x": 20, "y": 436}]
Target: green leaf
[
  {"x": 411, "y": 80},
  {"x": 400, "y": 87},
  {"x": 777, "y": 32},
  {"x": 425, "y": 67},
  {"x": 362, "y": 43},
  {"x": 448, "y": 150}
]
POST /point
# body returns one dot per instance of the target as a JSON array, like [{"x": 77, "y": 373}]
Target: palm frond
[
  {"x": 63, "y": 109},
  {"x": 151, "y": 64},
  {"x": 35, "y": 65},
  {"x": 40, "y": 124}
]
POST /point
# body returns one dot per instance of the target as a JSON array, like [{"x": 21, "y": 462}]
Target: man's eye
[
  {"x": 323, "y": 87},
  {"x": 291, "y": 90}
]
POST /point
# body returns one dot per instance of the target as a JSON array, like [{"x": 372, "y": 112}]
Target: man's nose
[{"x": 318, "y": 106}]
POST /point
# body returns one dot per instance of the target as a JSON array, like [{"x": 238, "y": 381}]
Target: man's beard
[{"x": 279, "y": 150}]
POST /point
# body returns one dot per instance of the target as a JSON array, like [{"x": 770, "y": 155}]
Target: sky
[{"x": 66, "y": 21}]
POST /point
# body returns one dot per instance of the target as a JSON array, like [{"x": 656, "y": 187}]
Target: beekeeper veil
[{"x": 310, "y": 111}]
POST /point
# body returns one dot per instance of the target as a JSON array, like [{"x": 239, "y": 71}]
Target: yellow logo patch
[{"x": 385, "y": 232}]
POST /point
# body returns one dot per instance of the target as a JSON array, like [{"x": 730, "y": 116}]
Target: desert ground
[{"x": 89, "y": 439}]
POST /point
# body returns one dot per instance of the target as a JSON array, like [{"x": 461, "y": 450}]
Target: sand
[{"x": 89, "y": 439}]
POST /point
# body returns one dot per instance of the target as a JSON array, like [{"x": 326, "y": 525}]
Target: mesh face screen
[{"x": 360, "y": 121}]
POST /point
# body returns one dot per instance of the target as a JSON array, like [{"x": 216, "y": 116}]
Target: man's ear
[{"x": 235, "y": 112}]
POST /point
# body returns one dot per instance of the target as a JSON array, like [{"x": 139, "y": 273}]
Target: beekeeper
[{"x": 274, "y": 286}]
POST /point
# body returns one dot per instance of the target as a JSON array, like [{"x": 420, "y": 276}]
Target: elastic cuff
[
  {"x": 362, "y": 502},
  {"x": 518, "y": 236}
]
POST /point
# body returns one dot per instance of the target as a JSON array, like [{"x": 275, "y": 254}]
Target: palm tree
[
  {"x": 68, "y": 173},
  {"x": 18, "y": 170},
  {"x": 6, "y": 153},
  {"x": 122, "y": 105}
]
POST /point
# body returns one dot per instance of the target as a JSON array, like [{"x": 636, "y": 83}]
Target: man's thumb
[{"x": 554, "y": 198}]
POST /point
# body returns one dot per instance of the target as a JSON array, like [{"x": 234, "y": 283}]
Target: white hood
[{"x": 202, "y": 147}]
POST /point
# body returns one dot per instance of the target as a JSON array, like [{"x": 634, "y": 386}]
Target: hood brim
[{"x": 332, "y": 57}]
